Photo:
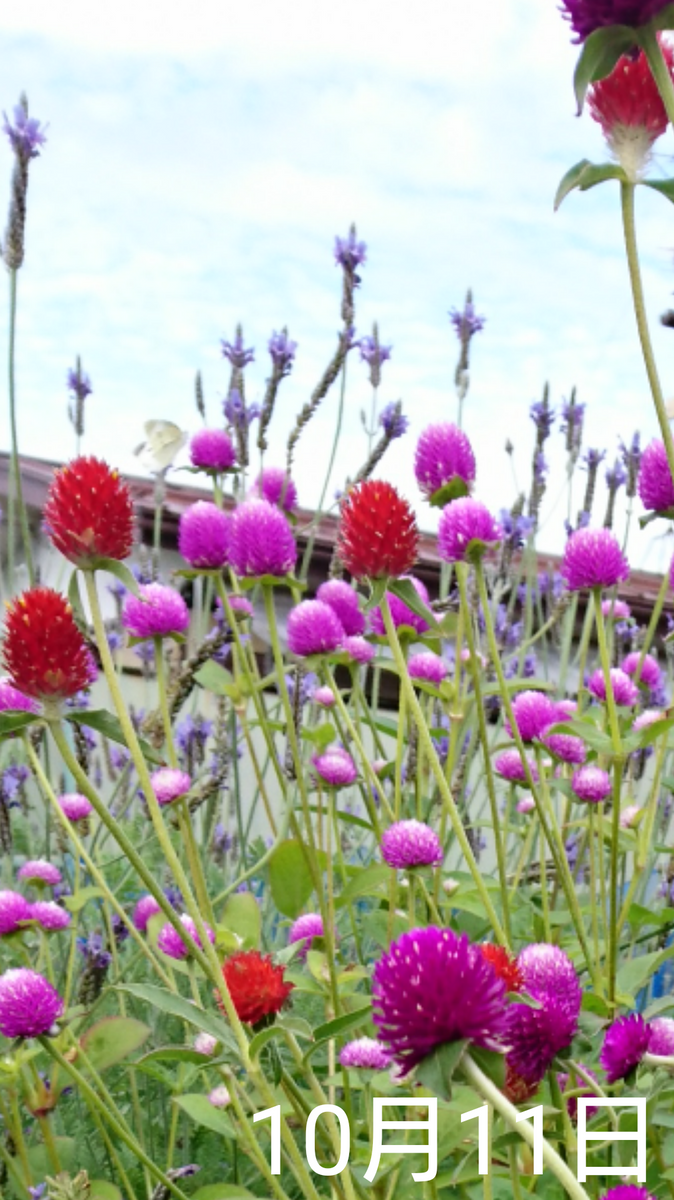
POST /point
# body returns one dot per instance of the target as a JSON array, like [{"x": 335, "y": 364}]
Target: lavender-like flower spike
[
  {"x": 80, "y": 386},
  {"x": 282, "y": 351},
  {"x": 572, "y": 425},
  {"x": 372, "y": 352},
  {"x": 235, "y": 351},
  {"x": 466, "y": 322},
  {"x": 25, "y": 136},
  {"x": 631, "y": 456},
  {"x": 392, "y": 420},
  {"x": 349, "y": 252}
]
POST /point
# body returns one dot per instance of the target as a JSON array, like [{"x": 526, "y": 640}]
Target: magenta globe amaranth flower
[
  {"x": 648, "y": 717},
  {"x": 261, "y": 540},
  {"x": 324, "y": 696},
  {"x": 203, "y": 536},
  {"x": 549, "y": 973},
  {"x": 75, "y": 806},
  {"x": 617, "y": 610},
  {"x": 591, "y": 784},
  {"x": 625, "y": 1043},
  {"x": 335, "y": 767},
  {"x": 625, "y": 690},
  {"x": 169, "y": 784},
  {"x": 219, "y": 1097},
  {"x": 14, "y": 911},
  {"x": 427, "y": 666},
  {"x": 304, "y": 930},
  {"x": 145, "y": 909},
  {"x": 50, "y": 916},
  {"x": 627, "y": 1191},
  {"x": 661, "y": 1041},
  {"x": 358, "y": 649},
  {"x": 212, "y": 450},
  {"x": 29, "y": 1005},
  {"x": 159, "y": 611},
  {"x": 587, "y": 15},
  {"x": 176, "y": 945},
  {"x": 534, "y": 712},
  {"x": 400, "y": 613},
  {"x": 40, "y": 872},
  {"x": 313, "y": 628},
  {"x": 365, "y": 1053},
  {"x": 434, "y": 987},
  {"x": 509, "y": 766},
  {"x": 537, "y": 1035},
  {"x": 467, "y": 529},
  {"x": 409, "y": 844},
  {"x": 12, "y": 700},
  {"x": 649, "y": 673},
  {"x": 345, "y": 602},
  {"x": 655, "y": 486},
  {"x": 276, "y": 486},
  {"x": 444, "y": 464},
  {"x": 593, "y": 559},
  {"x": 565, "y": 747},
  {"x": 526, "y": 805}
]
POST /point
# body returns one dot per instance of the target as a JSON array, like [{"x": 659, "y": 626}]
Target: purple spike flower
[
  {"x": 409, "y": 844},
  {"x": 661, "y": 1041},
  {"x": 625, "y": 1043},
  {"x": 434, "y": 987},
  {"x": 236, "y": 353},
  {"x": 212, "y": 450},
  {"x": 37, "y": 870},
  {"x": 467, "y": 528},
  {"x": 625, "y": 690},
  {"x": 344, "y": 601},
  {"x": 392, "y": 420},
  {"x": 587, "y": 15},
  {"x": 158, "y": 612},
  {"x": 25, "y": 135},
  {"x": 79, "y": 384},
  {"x": 203, "y": 535},
  {"x": 591, "y": 784},
  {"x": 304, "y": 930},
  {"x": 366, "y": 1053},
  {"x": 261, "y": 541},
  {"x": 335, "y": 767},
  {"x": 593, "y": 559},
  {"x": 548, "y": 973},
  {"x": 565, "y": 747},
  {"x": 313, "y": 628},
  {"x": 282, "y": 351},
  {"x": 349, "y": 252},
  {"x": 444, "y": 464},
  {"x": 400, "y": 613},
  {"x": 14, "y": 910},
  {"x": 655, "y": 486},
  {"x": 29, "y": 1005},
  {"x": 49, "y": 915},
  {"x": 427, "y": 666},
  {"x": 466, "y": 323},
  {"x": 175, "y": 945},
  {"x": 371, "y": 351},
  {"x": 276, "y": 486},
  {"x": 537, "y": 1035},
  {"x": 170, "y": 784}
]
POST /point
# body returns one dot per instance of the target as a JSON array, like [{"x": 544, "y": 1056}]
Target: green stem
[
  {"x": 16, "y": 488},
  {"x": 652, "y": 624}
]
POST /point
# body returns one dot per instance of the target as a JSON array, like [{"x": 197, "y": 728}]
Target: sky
[{"x": 200, "y": 162}]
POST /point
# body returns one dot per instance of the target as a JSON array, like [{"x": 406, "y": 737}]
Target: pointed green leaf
[
  {"x": 367, "y": 881},
  {"x": 102, "y": 1189},
  {"x": 378, "y": 589},
  {"x": 492, "y": 1063},
  {"x": 200, "y": 1109},
  {"x": 113, "y": 1039},
  {"x": 177, "y": 1006},
  {"x": 664, "y": 19},
  {"x": 75, "y": 599},
  {"x": 118, "y": 569},
  {"x": 223, "y": 1191},
  {"x": 406, "y": 591},
  {"x": 600, "y": 53},
  {"x": 664, "y": 186},
  {"x": 289, "y": 878},
  {"x": 106, "y": 723},
  {"x": 243, "y": 917},
  {"x": 175, "y": 1054},
  {"x": 215, "y": 678},
  {"x": 586, "y": 175},
  {"x": 77, "y": 901},
  {"x": 338, "y": 1026},
  {"x": 437, "y": 1069},
  {"x": 12, "y": 722}
]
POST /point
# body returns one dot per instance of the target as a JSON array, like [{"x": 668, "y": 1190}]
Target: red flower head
[
  {"x": 378, "y": 535},
  {"x": 516, "y": 1089},
  {"x": 504, "y": 965},
  {"x": 44, "y": 651},
  {"x": 628, "y": 107},
  {"x": 256, "y": 986},
  {"x": 89, "y": 513}
]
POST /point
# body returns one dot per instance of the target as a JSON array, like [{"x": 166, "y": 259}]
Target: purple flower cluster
[
  {"x": 275, "y": 485},
  {"x": 365, "y": 1053},
  {"x": 29, "y": 1005},
  {"x": 25, "y": 135},
  {"x": 212, "y": 450},
  {"x": 655, "y": 485},
  {"x": 304, "y": 930},
  {"x": 537, "y": 1035},
  {"x": 261, "y": 540},
  {"x": 409, "y": 844},
  {"x": 313, "y": 628},
  {"x": 593, "y": 559},
  {"x": 466, "y": 322},
  {"x": 344, "y": 602},
  {"x": 204, "y": 535},
  {"x": 444, "y": 463},
  {"x": 400, "y": 613},
  {"x": 335, "y": 767},
  {"x": 467, "y": 529},
  {"x": 159, "y": 611},
  {"x": 282, "y": 351}
]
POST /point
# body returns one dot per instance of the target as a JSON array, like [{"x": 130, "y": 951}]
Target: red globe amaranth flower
[
  {"x": 378, "y": 535},
  {"x": 44, "y": 651},
  {"x": 256, "y": 985},
  {"x": 505, "y": 966},
  {"x": 628, "y": 107},
  {"x": 89, "y": 513}
]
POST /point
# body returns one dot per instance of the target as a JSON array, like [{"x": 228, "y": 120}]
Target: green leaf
[
  {"x": 75, "y": 600},
  {"x": 215, "y": 678},
  {"x": 346, "y": 817},
  {"x": 585, "y": 175},
  {"x": 492, "y": 1063},
  {"x": 289, "y": 878},
  {"x": 120, "y": 571},
  {"x": 113, "y": 1039},
  {"x": 365, "y": 882},
  {"x": 340, "y": 1025},
  {"x": 405, "y": 591},
  {"x": 223, "y": 1191},
  {"x": 588, "y": 732},
  {"x": 77, "y": 901},
  {"x": 176, "y": 1006},
  {"x": 200, "y": 1109},
  {"x": 600, "y": 53},
  {"x": 12, "y": 722},
  {"x": 102, "y": 1189},
  {"x": 664, "y": 186},
  {"x": 40, "y": 1163},
  {"x": 376, "y": 595},
  {"x": 242, "y": 915},
  {"x": 436, "y": 1071},
  {"x": 664, "y": 19},
  {"x": 322, "y": 735},
  {"x": 175, "y": 1054},
  {"x": 633, "y": 974},
  {"x": 106, "y": 723}
]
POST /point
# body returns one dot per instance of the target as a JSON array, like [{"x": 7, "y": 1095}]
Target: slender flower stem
[
  {"x": 16, "y": 488},
  {"x": 311, "y": 535},
  {"x": 652, "y": 624}
]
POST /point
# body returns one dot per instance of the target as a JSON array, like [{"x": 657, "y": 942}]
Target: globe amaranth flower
[
  {"x": 219, "y": 1097},
  {"x": 526, "y": 805},
  {"x": 365, "y": 1053},
  {"x": 616, "y": 610},
  {"x": 661, "y": 1040},
  {"x": 587, "y": 15},
  {"x": 591, "y": 784},
  {"x": 509, "y": 766},
  {"x": 625, "y": 1043},
  {"x": 444, "y": 464},
  {"x": 256, "y": 985},
  {"x": 204, "y": 535},
  {"x": 206, "y": 1044},
  {"x": 593, "y": 559},
  {"x": 304, "y": 930},
  {"x": 534, "y": 712},
  {"x": 49, "y": 915},
  {"x": 655, "y": 486},
  {"x": 177, "y": 945},
  {"x": 401, "y": 614},
  {"x": 537, "y": 1035},
  {"x": 358, "y": 649},
  {"x": 434, "y": 987},
  {"x": 408, "y": 844},
  {"x": 75, "y": 806},
  {"x": 565, "y": 747},
  {"x": 12, "y": 700},
  {"x": 548, "y": 972},
  {"x": 38, "y": 871},
  {"x": 212, "y": 450},
  {"x": 275, "y": 485},
  {"x": 159, "y": 611},
  {"x": 627, "y": 1191},
  {"x": 335, "y": 767},
  {"x": 378, "y": 535},
  {"x": 467, "y": 529},
  {"x": 427, "y": 666},
  {"x": 14, "y": 911},
  {"x": 169, "y": 784},
  {"x": 145, "y": 909},
  {"x": 625, "y": 690},
  {"x": 505, "y": 965},
  {"x": 44, "y": 651},
  {"x": 649, "y": 674},
  {"x": 29, "y": 1005},
  {"x": 345, "y": 602},
  {"x": 89, "y": 513},
  {"x": 628, "y": 816},
  {"x": 313, "y": 628},
  {"x": 261, "y": 540}
]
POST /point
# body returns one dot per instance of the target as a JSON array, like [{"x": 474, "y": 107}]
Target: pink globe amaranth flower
[
  {"x": 627, "y": 1191},
  {"x": 206, "y": 1044},
  {"x": 212, "y": 450},
  {"x": 29, "y": 1005},
  {"x": 628, "y": 816},
  {"x": 444, "y": 464},
  {"x": 346, "y": 603},
  {"x": 537, "y": 1035},
  {"x": 175, "y": 945},
  {"x": 145, "y": 909},
  {"x": 335, "y": 767},
  {"x": 169, "y": 784},
  {"x": 509, "y": 766},
  {"x": 305, "y": 929},
  {"x": 625, "y": 691},
  {"x": 565, "y": 747},
  {"x": 313, "y": 628},
  {"x": 261, "y": 540},
  {"x": 203, "y": 536},
  {"x": 276, "y": 486},
  {"x": 648, "y": 717},
  {"x": 526, "y": 805},
  {"x": 662, "y": 1036},
  {"x": 628, "y": 107},
  {"x": 566, "y": 708},
  {"x": 548, "y": 973},
  {"x": 650, "y": 673},
  {"x": 400, "y": 613},
  {"x": 366, "y": 1053},
  {"x": 408, "y": 844},
  {"x": 14, "y": 910},
  {"x": 12, "y": 700},
  {"x": 324, "y": 696},
  {"x": 655, "y": 486},
  {"x": 434, "y": 987},
  {"x": 37, "y": 870},
  {"x": 467, "y": 529},
  {"x": 75, "y": 806},
  {"x": 593, "y": 559},
  {"x": 241, "y": 607},
  {"x": 625, "y": 1043},
  {"x": 159, "y": 611},
  {"x": 49, "y": 915},
  {"x": 587, "y": 15},
  {"x": 219, "y": 1097},
  {"x": 427, "y": 666},
  {"x": 591, "y": 784},
  {"x": 358, "y": 649},
  {"x": 616, "y": 609},
  {"x": 534, "y": 712},
  {"x": 563, "y": 1079}
]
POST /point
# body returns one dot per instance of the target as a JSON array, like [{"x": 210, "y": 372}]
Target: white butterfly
[{"x": 164, "y": 441}]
